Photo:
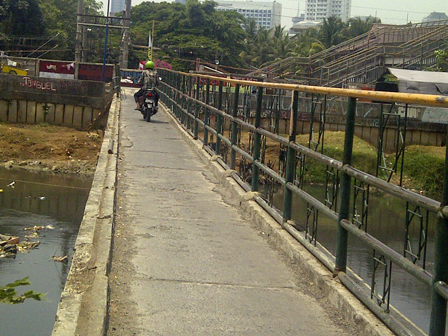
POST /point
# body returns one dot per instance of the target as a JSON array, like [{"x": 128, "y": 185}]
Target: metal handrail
[
  {"x": 406, "y": 98},
  {"x": 181, "y": 91}
]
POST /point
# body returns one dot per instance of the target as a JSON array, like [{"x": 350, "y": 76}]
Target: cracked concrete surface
[{"x": 186, "y": 261}]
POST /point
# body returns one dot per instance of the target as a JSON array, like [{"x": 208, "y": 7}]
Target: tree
[
  {"x": 40, "y": 21},
  {"x": 331, "y": 31},
  {"x": 358, "y": 26},
  {"x": 307, "y": 43},
  {"x": 442, "y": 59},
  {"x": 21, "y": 18},
  {"x": 184, "y": 33},
  {"x": 60, "y": 18}
]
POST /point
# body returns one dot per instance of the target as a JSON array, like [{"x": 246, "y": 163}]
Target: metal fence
[{"x": 219, "y": 112}]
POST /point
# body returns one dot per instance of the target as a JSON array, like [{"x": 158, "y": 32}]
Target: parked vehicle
[
  {"x": 148, "y": 105},
  {"x": 13, "y": 70}
]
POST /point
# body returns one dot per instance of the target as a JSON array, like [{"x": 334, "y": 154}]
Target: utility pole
[
  {"x": 126, "y": 38},
  {"x": 105, "y": 41},
  {"x": 107, "y": 22},
  {"x": 84, "y": 39},
  {"x": 78, "y": 44}
]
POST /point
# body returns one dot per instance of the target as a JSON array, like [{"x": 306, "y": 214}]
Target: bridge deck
[{"x": 186, "y": 261}]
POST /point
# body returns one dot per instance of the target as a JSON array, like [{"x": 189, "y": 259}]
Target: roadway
[{"x": 186, "y": 260}]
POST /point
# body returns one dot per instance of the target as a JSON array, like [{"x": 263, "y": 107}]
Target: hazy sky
[{"x": 395, "y": 11}]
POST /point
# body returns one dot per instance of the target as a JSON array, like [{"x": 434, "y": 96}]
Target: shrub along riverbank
[{"x": 423, "y": 165}]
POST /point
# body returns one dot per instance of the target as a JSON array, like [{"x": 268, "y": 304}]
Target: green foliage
[
  {"x": 60, "y": 18},
  {"x": 9, "y": 295},
  {"x": 307, "y": 43},
  {"x": 331, "y": 31},
  {"x": 424, "y": 166},
  {"x": 262, "y": 47},
  {"x": 442, "y": 59},
  {"x": 21, "y": 17},
  {"x": 183, "y": 33},
  {"x": 364, "y": 155},
  {"x": 357, "y": 26},
  {"x": 40, "y": 21}
]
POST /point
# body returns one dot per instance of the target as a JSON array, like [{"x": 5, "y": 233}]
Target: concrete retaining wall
[
  {"x": 83, "y": 306},
  {"x": 71, "y": 103}
]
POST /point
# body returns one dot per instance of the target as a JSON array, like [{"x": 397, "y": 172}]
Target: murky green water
[
  {"x": 39, "y": 199},
  {"x": 386, "y": 222}
]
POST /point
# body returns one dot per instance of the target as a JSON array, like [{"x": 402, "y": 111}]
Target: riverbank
[{"x": 49, "y": 148}]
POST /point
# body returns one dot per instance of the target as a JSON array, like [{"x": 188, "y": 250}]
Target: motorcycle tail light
[{"x": 150, "y": 95}]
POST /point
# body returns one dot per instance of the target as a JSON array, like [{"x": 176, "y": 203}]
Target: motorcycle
[{"x": 148, "y": 104}]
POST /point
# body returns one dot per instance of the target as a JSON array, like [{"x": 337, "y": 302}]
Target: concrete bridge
[
  {"x": 175, "y": 242},
  {"x": 185, "y": 251}
]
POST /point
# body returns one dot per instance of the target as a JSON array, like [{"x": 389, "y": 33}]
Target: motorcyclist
[{"x": 148, "y": 81}]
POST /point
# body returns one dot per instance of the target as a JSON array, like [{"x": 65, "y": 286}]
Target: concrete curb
[
  {"x": 83, "y": 306},
  {"x": 339, "y": 296}
]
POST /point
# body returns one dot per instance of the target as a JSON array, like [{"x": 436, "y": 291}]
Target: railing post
[
  {"x": 290, "y": 159},
  {"x": 183, "y": 101},
  {"x": 196, "y": 111},
  {"x": 234, "y": 135},
  {"x": 190, "y": 96},
  {"x": 219, "y": 120},
  {"x": 207, "y": 112},
  {"x": 438, "y": 303},
  {"x": 257, "y": 140},
  {"x": 169, "y": 75},
  {"x": 344, "y": 205},
  {"x": 179, "y": 96}
]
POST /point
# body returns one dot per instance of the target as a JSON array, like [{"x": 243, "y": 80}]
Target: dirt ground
[{"x": 49, "y": 148}]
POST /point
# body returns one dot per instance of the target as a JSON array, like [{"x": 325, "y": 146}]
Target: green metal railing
[{"x": 216, "y": 111}]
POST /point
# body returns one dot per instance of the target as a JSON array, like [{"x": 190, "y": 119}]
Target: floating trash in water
[
  {"x": 63, "y": 259},
  {"x": 8, "y": 240},
  {"x": 8, "y": 246},
  {"x": 35, "y": 234},
  {"x": 9, "y": 250},
  {"x": 34, "y": 228},
  {"x": 11, "y": 185},
  {"x": 27, "y": 246}
]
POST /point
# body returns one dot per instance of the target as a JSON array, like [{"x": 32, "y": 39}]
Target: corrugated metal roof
[
  {"x": 414, "y": 81},
  {"x": 420, "y": 76}
]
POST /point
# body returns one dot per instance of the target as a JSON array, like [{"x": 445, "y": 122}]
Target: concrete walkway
[{"x": 187, "y": 262}]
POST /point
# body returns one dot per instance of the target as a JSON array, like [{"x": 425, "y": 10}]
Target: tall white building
[
  {"x": 265, "y": 14},
  {"x": 117, "y": 6},
  {"x": 317, "y": 10}
]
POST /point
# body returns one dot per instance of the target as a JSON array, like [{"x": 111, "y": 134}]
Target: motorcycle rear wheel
[{"x": 148, "y": 115}]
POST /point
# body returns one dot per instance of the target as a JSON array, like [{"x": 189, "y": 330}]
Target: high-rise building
[
  {"x": 117, "y": 6},
  {"x": 317, "y": 10},
  {"x": 265, "y": 14}
]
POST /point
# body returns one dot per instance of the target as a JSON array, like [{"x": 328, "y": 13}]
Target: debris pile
[{"x": 11, "y": 245}]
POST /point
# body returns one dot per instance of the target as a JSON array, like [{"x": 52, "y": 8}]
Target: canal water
[
  {"x": 56, "y": 203},
  {"x": 386, "y": 222}
]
